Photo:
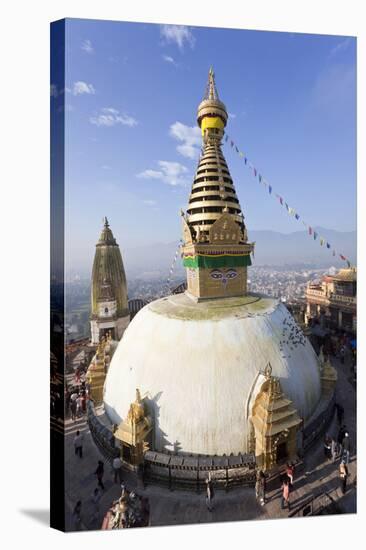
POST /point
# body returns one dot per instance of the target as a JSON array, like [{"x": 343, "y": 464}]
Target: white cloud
[
  {"x": 149, "y": 202},
  {"x": 169, "y": 59},
  {"x": 172, "y": 173},
  {"x": 340, "y": 47},
  {"x": 189, "y": 136},
  {"x": 109, "y": 116},
  {"x": 177, "y": 34},
  {"x": 87, "y": 46},
  {"x": 80, "y": 88}
]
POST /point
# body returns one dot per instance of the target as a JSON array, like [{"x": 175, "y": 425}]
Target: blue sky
[{"x": 132, "y": 144}]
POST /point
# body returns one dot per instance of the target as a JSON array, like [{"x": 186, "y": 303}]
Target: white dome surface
[{"x": 199, "y": 367}]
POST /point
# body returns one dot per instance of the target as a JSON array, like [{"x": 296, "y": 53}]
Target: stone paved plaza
[{"x": 318, "y": 475}]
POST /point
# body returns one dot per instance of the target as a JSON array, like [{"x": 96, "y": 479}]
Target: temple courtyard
[{"x": 316, "y": 482}]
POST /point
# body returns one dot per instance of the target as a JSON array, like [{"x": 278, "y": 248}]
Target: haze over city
[{"x": 133, "y": 143}]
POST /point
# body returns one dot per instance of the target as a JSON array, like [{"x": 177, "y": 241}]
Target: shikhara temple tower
[
  {"x": 216, "y": 251},
  {"x": 109, "y": 305}
]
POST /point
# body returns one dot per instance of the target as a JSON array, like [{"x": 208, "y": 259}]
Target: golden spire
[
  {"x": 216, "y": 252},
  {"x": 211, "y": 92}
]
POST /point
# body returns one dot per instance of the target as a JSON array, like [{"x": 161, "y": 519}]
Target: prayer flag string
[{"x": 290, "y": 210}]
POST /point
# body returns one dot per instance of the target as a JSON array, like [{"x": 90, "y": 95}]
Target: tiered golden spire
[
  {"x": 215, "y": 252},
  {"x": 213, "y": 192}
]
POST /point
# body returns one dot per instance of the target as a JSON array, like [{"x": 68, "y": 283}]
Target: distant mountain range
[{"x": 271, "y": 248}]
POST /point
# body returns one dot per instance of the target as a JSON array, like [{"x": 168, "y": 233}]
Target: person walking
[
  {"x": 117, "y": 469},
  {"x": 346, "y": 447},
  {"x": 342, "y": 353},
  {"x": 260, "y": 488},
  {"x": 78, "y": 444},
  {"x": 285, "y": 494},
  {"x": 343, "y": 475},
  {"x": 79, "y": 406},
  {"x": 209, "y": 494},
  {"x": 290, "y": 471},
  {"x": 99, "y": 472}
]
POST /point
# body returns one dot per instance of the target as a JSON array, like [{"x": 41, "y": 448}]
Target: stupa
[{"x": 220, "y": 370}]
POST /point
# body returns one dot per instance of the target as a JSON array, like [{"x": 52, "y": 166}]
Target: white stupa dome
[{"x": 200, "y": 366}]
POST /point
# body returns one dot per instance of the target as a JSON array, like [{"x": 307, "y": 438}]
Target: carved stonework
[{"x": 225, "y": 231}]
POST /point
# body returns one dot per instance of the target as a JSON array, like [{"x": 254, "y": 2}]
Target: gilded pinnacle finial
[
  {"x": 211, "y": 86},
  {"x": 106, "y": 223}
]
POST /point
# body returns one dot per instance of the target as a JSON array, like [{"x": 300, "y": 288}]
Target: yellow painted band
[{"x": 211, "y": 122}]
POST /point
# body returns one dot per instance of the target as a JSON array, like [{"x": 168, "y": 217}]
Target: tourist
[
  {"x": 343, "y": 474},
  {"x": 76, "y": 515},
  {"x": 290, "y": 470},
  {"x": 346, "y": 447},
  {"x": 79, "y": 406},
  {"x": 209, "y": 494},
  {"x": 285, "y": 494},
  {"x": 99, "y": 472},
  {"x": 78, "y": 444},
  {"x": 96, "y": 496},
  {"x": 342, "y": 353},
  {"x": 260, "y": 488},
  {"x": 117, "y": 468}
]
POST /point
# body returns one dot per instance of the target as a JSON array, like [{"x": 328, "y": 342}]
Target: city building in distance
[{"x": 335, "y": 297}]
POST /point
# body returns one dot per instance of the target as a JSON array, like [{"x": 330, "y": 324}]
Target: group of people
[
  {"x": 99, "y": 490},
  {"x": 338, "y": 448},
  {"x": 75, "y": 402},
  {"x": 287, "y": 482}
]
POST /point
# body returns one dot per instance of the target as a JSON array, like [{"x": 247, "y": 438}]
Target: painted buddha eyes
[{"x": 224, "y": 276}]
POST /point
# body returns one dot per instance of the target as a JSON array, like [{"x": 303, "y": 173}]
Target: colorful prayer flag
[
  {"x": 259, "y": 177},
  {"x": 245, "y": 160},
  {"x": 281, "y": 200},
  {"x": 321, "y": 241},
  {"x": 237, "y": 150},
  {"x": 255, "y": 172},
  {"x": 315, "y": 235},
  {"x": 343, "y": 258},
  {"x": 270, "y": 189},
  {"x": 348, "y": 263},
  {"x": 297, "y": 216},
  {"x": 328, "y": 245},
  {"x": 240, "y": 154}
]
